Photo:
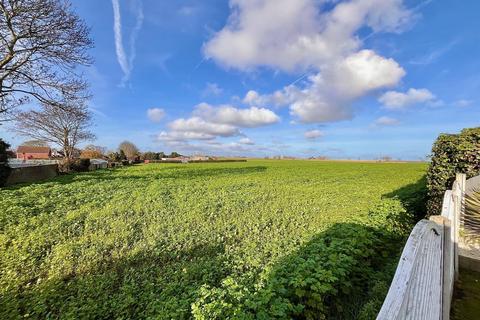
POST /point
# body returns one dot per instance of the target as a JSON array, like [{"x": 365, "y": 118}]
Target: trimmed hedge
[
  {"x": 451, "y": 154},
  {"x": 4, "y": 168}
]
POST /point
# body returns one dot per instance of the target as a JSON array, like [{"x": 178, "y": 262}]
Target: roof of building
[
  {"x": 32, "y": 149},
  {"x": 98, "y": 161}
]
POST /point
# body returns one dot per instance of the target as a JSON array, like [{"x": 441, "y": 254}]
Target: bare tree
[
  {"x": 35, "y": 143},
  {"x": 66, "y": 126},
  {"x": 41, "y": 43},
  {"x": 131, "y": 151}
]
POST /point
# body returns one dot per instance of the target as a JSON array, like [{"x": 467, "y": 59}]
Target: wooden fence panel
[
  {"x": 422, "y": 287},
  {"x": 418, "y": 297}
]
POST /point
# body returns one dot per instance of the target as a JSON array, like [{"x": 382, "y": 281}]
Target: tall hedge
[
  {"x": 4, "y": 168},
  {"x": 451, "y": 154}
]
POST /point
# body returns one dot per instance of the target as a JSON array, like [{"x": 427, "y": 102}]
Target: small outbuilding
[
  {"x": 31, "y": 152},
  {"x": 96, "y": 164}
]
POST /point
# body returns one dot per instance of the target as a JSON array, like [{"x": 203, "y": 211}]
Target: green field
[{"x": 261, "y": 239}]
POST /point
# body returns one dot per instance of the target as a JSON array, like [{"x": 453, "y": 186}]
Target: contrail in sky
[{"x": 126, "y": 63}]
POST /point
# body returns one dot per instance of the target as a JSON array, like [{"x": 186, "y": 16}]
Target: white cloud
[
  {"x": 155, "y": 114},
  {"x": 327, "y": 96},
  {"x": 251, "y": 97},
  {"x": 301, "y": 35},
  {"x": 395, "y": 100},
  {"x": 313, "y": 134},
  {"x": 292, "y": 35},
  {"x": 212, "y": 89},
  {"x": 386, "y": 121},
  {"x": 182, "y": 136},
  {"x": 125, "y": 62},
  {"x": 198, "y": 125},
  {"x": 208, "y": 122},
  {"x": 226, "y": 114},
  {"x": 365, "y": 71},
  {"x": 246, "y": 141}
]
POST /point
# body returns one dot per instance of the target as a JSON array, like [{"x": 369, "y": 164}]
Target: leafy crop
[{"x": 261, "y": 239}]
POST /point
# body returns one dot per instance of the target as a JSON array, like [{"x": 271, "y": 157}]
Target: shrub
[
  {"x": 149, "y": 156},
  {"x": 4, "y": 168},
  {"x": 451, "y": 154}
]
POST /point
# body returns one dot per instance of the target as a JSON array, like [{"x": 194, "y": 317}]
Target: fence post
[
  {"x": 447, "y": 264},
  {"x": 459, "y": 201}
]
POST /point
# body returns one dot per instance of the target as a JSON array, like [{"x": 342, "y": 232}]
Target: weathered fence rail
[{"x": 422, "y": 287}]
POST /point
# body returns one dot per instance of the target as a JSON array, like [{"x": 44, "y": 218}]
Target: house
[
  {"x": 60, "y": 153},
  {"x": 30, "y": 152}
]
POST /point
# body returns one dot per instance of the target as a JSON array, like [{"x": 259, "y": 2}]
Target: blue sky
[{"x": 344, "y": 79}]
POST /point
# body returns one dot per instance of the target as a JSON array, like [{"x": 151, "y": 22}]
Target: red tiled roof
[{"x": 29, "y": 149}]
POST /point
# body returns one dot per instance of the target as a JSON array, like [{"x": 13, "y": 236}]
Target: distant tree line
[{"x": 126, "y": 151}]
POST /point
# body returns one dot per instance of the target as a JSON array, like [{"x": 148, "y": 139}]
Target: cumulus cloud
[
  {"x": 327, "y": 96},
  {"x": 313, "y": 134},
  {"x": 251, "y": 97},
  {"x": 200, "y": 126},
  {"x": 125, "y": 61},
  {"x": 395, "y": 100},
  {"x": 226, "y": 114},
  {"x": 386, "y": 121},
  {"x": 292, "y": 35},
  {"x": 209, "y": 122},
  {"x": 246, "y": 141},
  {"x": 301, "y": 35},
  {"x": 155, "y": 114}
]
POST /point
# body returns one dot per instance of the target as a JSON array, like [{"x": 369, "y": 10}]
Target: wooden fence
[{"x": 422, "y": 287}]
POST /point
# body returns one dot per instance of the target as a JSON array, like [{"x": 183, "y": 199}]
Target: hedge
[
  {"x": 4, "y": 168},
  {"x": 451, "y": 154}
]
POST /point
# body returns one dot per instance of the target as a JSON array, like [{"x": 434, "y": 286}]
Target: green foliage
[
  {"x": 114, "y": 156},
  {"x": 4, "y": 168},
  {"x": 149, "y": 156},
  {"x": 451, "y": 154},
  {"x": 152, "y": 155},
  {"x": 256, "y": 239}
]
